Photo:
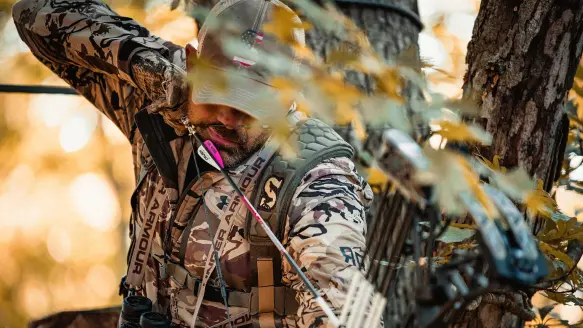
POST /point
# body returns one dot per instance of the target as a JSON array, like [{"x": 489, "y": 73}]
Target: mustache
[
  {"x": 241, "y": 126},
  {"x": 238, "y": 134},
  {"x": 204, "y": 125}
]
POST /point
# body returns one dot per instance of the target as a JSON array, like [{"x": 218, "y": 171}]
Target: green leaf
[
  {"x": 456, "y": 235},
  {"x": 549, "y": 230},
  {"x": 557, "y": 297}
]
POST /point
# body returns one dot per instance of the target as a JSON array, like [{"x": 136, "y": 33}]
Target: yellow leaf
[
  {"x": 305, "y": 53},
  {"x": 345, "y": 54},
  {"x": 356, "y": 35},
  {"x": 494, "y": 165},
  {"x": 389, "y": 82},
  {"x": 347, "y": 115},
  {"x": 281, "y": 132},
  {"x": 473, "y": 181},
  {"x": 579, "y": 73},
  {"x": 288, "y": 89},
  {"x": 572, "y": 136},
  {"x": 539, "y": 202},
  {"x": 342, "y": 96},
  {"x": 283, "y": 24},
  {"x": 344, "y": 114},
  {"x": 335, "y": 87},
  {"x": 359, "y": 128},
  {"x": 578, "y": 89},
  {"x": 376, "y": 176},
  {"x": 549, "y": 250},
  {"x": 463, "y": 226},
  {"x": 497, "y": 165},
  {"x": 454, "y": 131},
  {"x": 452, "y": 176},
  {"x": 303, "y": 106}
]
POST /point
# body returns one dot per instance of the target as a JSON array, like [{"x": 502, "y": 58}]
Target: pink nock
[{"x": 214, "y": 152}]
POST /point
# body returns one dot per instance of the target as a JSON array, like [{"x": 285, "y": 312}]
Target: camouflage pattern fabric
[{"x": 121, "y": 68}]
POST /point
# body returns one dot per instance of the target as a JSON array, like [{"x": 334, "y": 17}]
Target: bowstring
[{"x": 212, "y": 234}]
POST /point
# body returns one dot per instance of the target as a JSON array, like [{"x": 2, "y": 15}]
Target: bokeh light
[
  {"x": 76, "y": 131},
  {"x": 50, "y": 110},
  {"x": 95, "y": 200},
  {"x": 59, "y": 244}
]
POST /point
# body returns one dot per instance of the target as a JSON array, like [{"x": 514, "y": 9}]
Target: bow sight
[{"x": 400, "y": 280}]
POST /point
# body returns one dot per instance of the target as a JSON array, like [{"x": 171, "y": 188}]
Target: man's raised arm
[
  {"x": 111, "y": 60},
  {"x": 326, "y": 235}
]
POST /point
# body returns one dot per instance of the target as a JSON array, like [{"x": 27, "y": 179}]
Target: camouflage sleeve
[
  {"x": 326, "y": 235},
  {"x": 94, "y": 49}
]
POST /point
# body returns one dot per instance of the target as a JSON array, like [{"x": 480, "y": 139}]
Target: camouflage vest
[{"x": 272, "y": 197}]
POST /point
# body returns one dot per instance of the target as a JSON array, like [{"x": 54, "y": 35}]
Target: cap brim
[{"x": 252, "y": 97}]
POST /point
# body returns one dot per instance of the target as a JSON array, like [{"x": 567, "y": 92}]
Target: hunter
[{"x": 314, "y": 201}]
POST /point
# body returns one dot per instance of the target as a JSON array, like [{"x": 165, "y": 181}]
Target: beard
[{"x": 243, "y": 145}]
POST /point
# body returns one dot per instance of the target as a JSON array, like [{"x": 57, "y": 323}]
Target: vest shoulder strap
[
  {"x": 157, "y": 136},
  {"x": 316, "y": 142},
  {"x": 273, "y": 196}
]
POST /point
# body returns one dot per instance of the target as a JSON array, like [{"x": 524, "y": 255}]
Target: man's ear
[
  {"x": 190, "y": 52},
  {"x": 190, "y": 49}
]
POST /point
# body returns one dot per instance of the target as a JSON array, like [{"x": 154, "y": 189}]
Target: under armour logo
[{"x": 270, "y": 191}]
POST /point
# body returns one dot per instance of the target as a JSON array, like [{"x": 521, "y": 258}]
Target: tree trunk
[
  {"x": 390, "y": 32},
  {"x": 521, "y": 62}
]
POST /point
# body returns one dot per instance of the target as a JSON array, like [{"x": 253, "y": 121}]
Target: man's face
[{"x": 234, "y": 133}]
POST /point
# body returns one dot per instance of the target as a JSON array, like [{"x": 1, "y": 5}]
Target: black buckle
[
  {"x": 214, "y": 294},
  {"x": 123, "y": 287}
]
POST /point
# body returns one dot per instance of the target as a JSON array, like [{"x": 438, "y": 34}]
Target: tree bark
[
  {"x": 390, "y": 32},
  {"x": 521, "y": 63}
]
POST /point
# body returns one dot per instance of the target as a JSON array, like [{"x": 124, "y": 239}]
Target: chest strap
[{"x": 284, "y": 302}]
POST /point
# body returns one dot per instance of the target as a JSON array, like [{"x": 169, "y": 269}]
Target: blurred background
[{"x": 66, "y": 171}]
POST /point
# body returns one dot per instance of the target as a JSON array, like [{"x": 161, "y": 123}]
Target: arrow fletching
[{"x": 204, "y": 154}]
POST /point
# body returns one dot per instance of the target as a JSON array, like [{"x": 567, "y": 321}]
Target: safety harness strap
[{"x": 266, "y": 291}]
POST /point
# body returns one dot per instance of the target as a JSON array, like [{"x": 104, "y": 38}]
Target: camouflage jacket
[{"x": 95, "y": 50}]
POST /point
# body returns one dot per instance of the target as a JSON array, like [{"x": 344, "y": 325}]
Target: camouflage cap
[{"x": 245, "y": 82}]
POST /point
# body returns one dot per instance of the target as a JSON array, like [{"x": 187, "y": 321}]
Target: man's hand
[{"x": 165, "y": 84}]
